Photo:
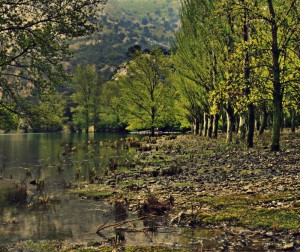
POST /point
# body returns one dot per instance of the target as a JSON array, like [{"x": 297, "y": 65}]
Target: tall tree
[
  {"x": 147, "y": 92},
  {"x": 34, "y": 39},
  {"x": 87, "y": 87},
  {"x": 279, "y": 31}
]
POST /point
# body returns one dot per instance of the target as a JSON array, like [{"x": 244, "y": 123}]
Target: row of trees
[
  {"x": 238, "y": 58},
  {"x": 241, "y": 57}
]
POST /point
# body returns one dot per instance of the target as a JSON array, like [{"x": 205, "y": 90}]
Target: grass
[
  {"x": 94, "y": 191},
  {"x": 45, "y": 246},
  {"x": 253, "y": 211},
  {"x": 13, "y": 193}
]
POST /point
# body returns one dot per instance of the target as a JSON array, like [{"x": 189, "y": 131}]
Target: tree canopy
[{"x": 34, "y": 39}]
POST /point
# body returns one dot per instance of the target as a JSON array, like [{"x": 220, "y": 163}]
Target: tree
[
  {"x": 34, "y": 39},
  {"x": 197, "y": 60},
  {"x": 44, "y": 115},
  {"x": 278, "y": 32},
  {"x": 110, "y": 113},
  {"x": 258, "y": 61},
  {"x": 87, "y": 87},
  {"x": 146, "y": 89}
]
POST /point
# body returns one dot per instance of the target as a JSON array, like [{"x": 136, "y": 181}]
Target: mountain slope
[{"x": 126, "y": 23}]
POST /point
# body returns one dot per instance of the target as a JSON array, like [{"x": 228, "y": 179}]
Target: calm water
[{"x": 55, "y": 157}]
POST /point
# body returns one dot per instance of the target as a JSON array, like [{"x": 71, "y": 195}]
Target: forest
[{"x": 232, "y": 67}]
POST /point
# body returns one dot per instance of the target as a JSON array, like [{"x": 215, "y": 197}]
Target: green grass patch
[
  {"x": 251, "y": 211},
  {"x": 46, "y": 246},
  {"x": 94, "y": 191}
]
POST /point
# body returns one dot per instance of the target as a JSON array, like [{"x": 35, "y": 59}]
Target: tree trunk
[
  {"x": 251, "y": 125},
  {"x": 87, "y": 122},
  {"x": 242, "y": 127},
  {"x": 257, "y": 123},
  {"x": 152, "y": 121},
  {"x": 210, "y": 126},
  {"x": 277, "y": 88},
  {"x": 264, "y": 122},
  {"x": 293, "y": 120},
  {"x": 196, "y": 126},
  {"x": 205, "y": 124},
  {"x": 215, "y": 126},
  {"x": 230, "y": 123},
  {"x": 224, "y": 127}
]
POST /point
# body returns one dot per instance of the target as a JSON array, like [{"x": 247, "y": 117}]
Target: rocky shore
[{"x": 251, "y": 194}]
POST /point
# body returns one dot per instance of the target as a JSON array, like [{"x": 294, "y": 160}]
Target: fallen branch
[{"x": 118, "y": 224}]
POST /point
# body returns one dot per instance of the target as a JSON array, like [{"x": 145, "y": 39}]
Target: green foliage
[
  {"x": 147, "y": 93},
  {"x": 86, "y": 97},
  {"x": 236, "y": 56},
  {"x": 45, "y": 114},
  {"x": 8, "y": 120},
  {"x": 34, "y": 46},
  {"x": 110, "y": 113}
]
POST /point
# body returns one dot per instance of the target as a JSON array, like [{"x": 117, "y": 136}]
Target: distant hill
[{"x": 126, "y": 23}]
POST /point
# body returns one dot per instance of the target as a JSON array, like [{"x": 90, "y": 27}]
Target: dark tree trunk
[
  {"x": 87, "y": 122},
  {"x": 264, "y": 122},
  {"x": 293, "y": 120},
  {"x": 210, "y": 126},
  {"x": 257, "y": 123},
  {"x": 251, "y": 125},
  {"x": 196, "y": 126},
  {"x": 242, "y": 127},
  {"x": 205, "y": 124},
  {"x": 153, "y": 121},
  {"x": 215, "y": 126},
  {"x": 277, "y": 88}
]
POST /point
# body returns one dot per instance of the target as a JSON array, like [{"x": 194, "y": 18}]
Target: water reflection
[
  {"x": 54, "y": 159},
  {"x": 59, "y": 158}
]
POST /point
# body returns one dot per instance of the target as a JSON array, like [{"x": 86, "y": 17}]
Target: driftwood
[{"x": 118, "y": 224}]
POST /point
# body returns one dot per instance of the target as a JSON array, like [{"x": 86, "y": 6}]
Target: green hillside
[{"x": 126, "y": 23}]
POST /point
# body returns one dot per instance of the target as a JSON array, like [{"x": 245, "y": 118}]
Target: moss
[
  {"x": 41, "y": 246},
  {"x": 45, "y": 246},
  {"x": 251, "y": 211},
  {"x": 94, "y": 191}
]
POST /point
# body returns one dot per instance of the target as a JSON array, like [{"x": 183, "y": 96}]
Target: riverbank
[{"x": 251, "y": 195}]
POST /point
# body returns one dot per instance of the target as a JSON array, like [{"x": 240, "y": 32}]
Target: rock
[
  {"x": 287, "y": 246},
  {"x": 94, "y": 244}
]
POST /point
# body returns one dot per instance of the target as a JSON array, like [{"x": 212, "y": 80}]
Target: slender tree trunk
[
  {"x": 257, "y": 123},
  {"x": 215, "y": 126},
  {"x": 152, "y": 122},
  {"x": 264, "y": 122},
  {"x": 242, "y": 127},
  {"x": 293, "y": 120},
  {"x": 205, "y": 124},
  {"x": 224, "y": 120},
  {"x": 251, "y": 125},
  {"x": 230, "y": 123},
  {"x": 87, "y": 122},
  {"x": 277, "y": 88},
  {"x": 196, "y": 126},
  {"x": 210, "y": 126},
  {"x": 200, "y": 119}
]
